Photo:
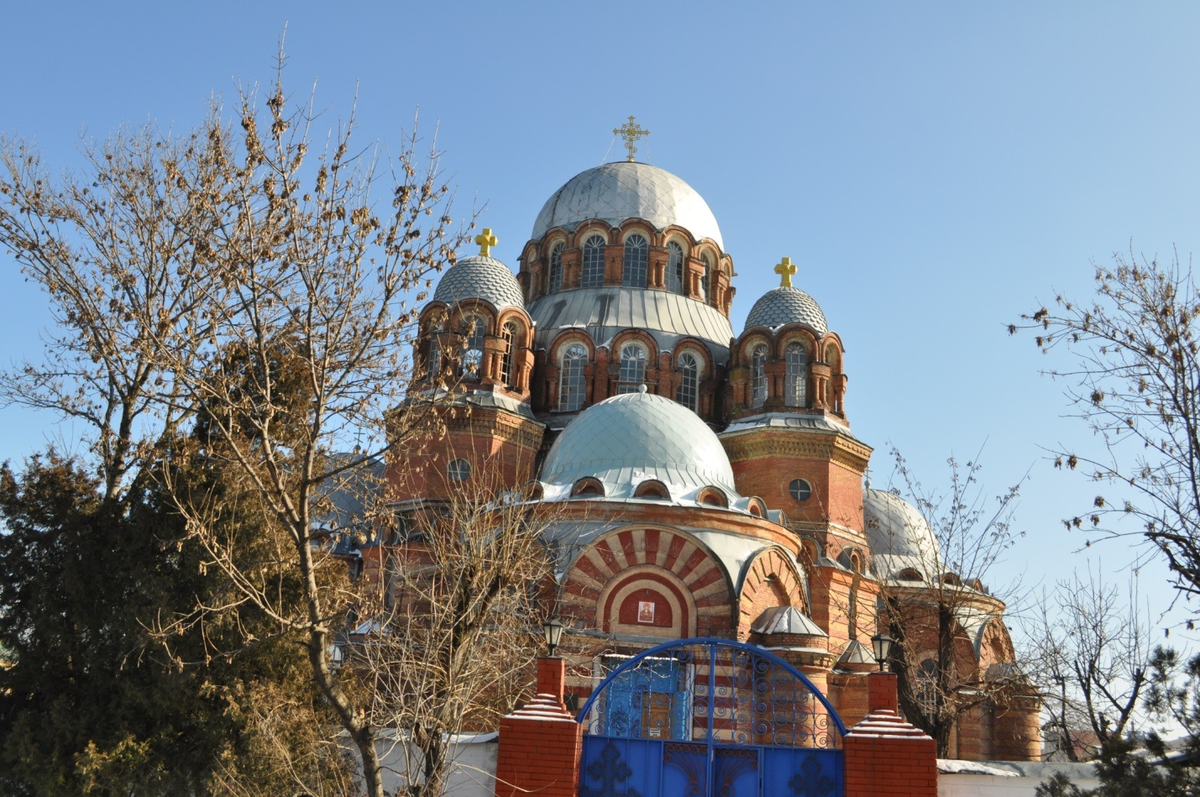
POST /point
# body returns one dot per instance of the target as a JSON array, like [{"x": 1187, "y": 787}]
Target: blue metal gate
[{"x": 702, "y": 717}]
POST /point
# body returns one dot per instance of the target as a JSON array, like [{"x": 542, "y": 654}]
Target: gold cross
[
  {"x": 785, "y": 270},
  {"x": 631, "y": 132},
  {"x": 486, "y": 241}
]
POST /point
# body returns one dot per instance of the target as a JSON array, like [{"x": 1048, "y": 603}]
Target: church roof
[
  {"x": 480, "y": 277},
  {"x": 786, "y": 620},
  {"x": 603, "y": 312},
  {"x": 615, "y": 192},
  {"x": 634, "y": 437},
  {"x": 899, "y": 537},
  {"x": 787, "y": 305}
]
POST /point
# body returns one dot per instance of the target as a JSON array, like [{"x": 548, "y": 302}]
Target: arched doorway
[{"x": 709, "y": 717}]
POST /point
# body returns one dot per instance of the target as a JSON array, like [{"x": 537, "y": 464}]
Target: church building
[{"x": 705, "y": 481}]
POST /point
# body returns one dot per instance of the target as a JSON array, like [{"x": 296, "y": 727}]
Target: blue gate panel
[
  {"x": 799, "y": 772},
  {"x": 621, "y": 767}
]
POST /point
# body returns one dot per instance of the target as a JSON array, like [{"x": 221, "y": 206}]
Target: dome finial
[
  {"x": 631, "y": 132},
  {"x": 785, "y": 270},
  {"x": 486, "y": 241}
]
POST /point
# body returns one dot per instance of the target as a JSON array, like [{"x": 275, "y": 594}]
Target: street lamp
[
  {"x": 553, "y": 629},
  {"x": 881, "y": 646}
]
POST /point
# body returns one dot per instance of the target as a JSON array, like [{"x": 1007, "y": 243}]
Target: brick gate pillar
[
  {"x": 886, "y": 756},
  {"x": 540, "y": 743}
]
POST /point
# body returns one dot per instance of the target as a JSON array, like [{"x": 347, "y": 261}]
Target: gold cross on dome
[
  {"x": 631, "y": 132},
  {"x": 785, "y": 270},
  {"x": 486, "y": 241}
]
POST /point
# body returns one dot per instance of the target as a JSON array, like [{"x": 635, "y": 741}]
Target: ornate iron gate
[{"x": 709, "y": 717}]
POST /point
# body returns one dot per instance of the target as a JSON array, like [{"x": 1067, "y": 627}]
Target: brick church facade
[{"x": 704, "y": 481}]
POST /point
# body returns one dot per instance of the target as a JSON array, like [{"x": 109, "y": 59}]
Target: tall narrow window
[
  {"x": 706, "y": 277},
  {"x": 633, "y": 368},
  {"x": 674, "y": 275},
  {"x": 796, "y": 375},
  {"x": 689, "y": 384},
  {"x": 556, "y": 274},
  {"x": 593, "y": 262},
  {"x": 758, "y": 375},
  {"x": 570, "y": 381},
  {"x": 509, "y": 333},
  {"x": 633, "y": 272},
  {"x": 435, "y": 355},
  {"x": 473, "y": 328}
]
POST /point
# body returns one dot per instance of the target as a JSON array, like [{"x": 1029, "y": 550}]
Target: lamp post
[
  {"x": 552, "y": 629},
  {"x": 881, "y": 646}
]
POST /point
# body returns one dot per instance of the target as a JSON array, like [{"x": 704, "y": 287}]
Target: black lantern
[
  {"x": 881, "y": 646},
  {"x": 553, "y": 629}
]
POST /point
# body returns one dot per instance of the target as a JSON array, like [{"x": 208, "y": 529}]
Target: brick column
[
  {"x": 886, "y": 756},
  {"x": 540, "y": 744}
]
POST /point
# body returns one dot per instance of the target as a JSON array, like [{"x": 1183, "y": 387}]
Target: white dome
[
  {"x": 787, "y": 305},
  {"x": 615, "y": 192},
  {"x": 899, "y": 537},
  {"x": 480, "y": 277},
  {"x": 628, "y": 439}
]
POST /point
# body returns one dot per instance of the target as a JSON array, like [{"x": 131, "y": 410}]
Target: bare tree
[
  {"x": 259, "y": 283},
  {"x": 953, "y": 653},
  {"x": 123, "y": 249},
  {"x": 1135, "y": 380},
  {"x": 1090, "y": 650},
  {"x": 455, "y": 628}
]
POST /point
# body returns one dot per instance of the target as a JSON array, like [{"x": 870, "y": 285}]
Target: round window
[
  {"x": 800, "y": 489},
  {"x": 459, "y": 470}
]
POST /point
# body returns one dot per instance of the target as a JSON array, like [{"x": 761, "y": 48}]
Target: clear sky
[{"x": 935, "y": 168}]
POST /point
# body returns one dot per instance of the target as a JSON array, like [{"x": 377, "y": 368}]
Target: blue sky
[{"x": 935, "y": 169}]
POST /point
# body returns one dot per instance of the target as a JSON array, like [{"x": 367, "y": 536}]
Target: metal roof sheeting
[
  {"x": 627, "y": 439},
  {"x": 615, "y": 192},
  {"x": 604, "y": 312}
]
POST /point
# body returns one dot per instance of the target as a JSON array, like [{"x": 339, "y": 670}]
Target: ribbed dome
[
  {"x": 627, "y": 439},
  {"x": 615, "y": 192},
  {"x": 787, "y": 305},
  {"x": 480, "y": 277},
  {"x": 899, "y": 537}
]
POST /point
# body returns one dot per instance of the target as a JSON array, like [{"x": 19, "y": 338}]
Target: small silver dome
[
  {"x": 628, "y": 439},
  {"x": 787, "y": 305},
  {"x": 615, "y": 192},
  {"x": 899, "y": 537},
  {"x": 480, "y": 277}
]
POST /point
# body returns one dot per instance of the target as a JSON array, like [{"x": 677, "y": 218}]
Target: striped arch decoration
[
  {"x": 648, "y": 582},
  {"x": 771, "y": 580}
]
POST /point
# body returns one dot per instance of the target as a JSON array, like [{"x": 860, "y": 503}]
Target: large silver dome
[
  {"x": 787, "y": 305},
  {"x": 628, "y": 439},
  {"x": 615, "y": 192},
  {"x": 899, "y": 537},
  {"x": 480, "y": 277}
]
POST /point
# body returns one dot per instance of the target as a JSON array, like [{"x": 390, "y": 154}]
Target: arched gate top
[{"x": 714, "y": 690}]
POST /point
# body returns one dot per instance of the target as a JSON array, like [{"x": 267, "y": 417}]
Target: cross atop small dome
[
  {"x": 785, "y": 270},
  {"x": 486, "y": 241}
]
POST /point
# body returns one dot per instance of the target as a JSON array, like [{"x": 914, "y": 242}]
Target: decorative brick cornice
[{"x": 798, "y": 444}]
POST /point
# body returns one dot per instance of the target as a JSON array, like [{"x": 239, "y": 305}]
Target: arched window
[
  {"x": 556, "y": 275},
  {"x": 509, "y": 333},
  {"x": 674, "y": 276},
  {"x": 796, "y": 381},
  {"x": 473, "y": 328},
  {"x": 633, "y": 271},
  {"x": 435, "y": 355},
  {"x": 758, "y": 375},
  {"x": 689, "y": 384},
  {"x": 570, "y": 381},
  {"x": 704, "y": 278},
  {"x": 593, "y": 262},
  {"x": 633, "y": 368}
]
